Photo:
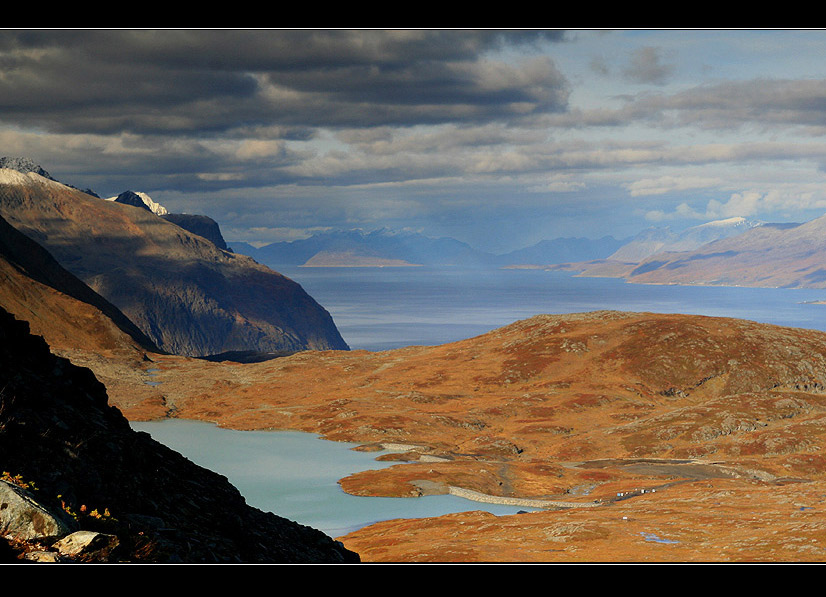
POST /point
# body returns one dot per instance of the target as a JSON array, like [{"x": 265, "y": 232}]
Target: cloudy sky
[{"x": 497, "y": 138}]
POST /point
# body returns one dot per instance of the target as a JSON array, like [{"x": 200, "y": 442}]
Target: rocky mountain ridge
[
  {"x": 659, "y": 240},
  {"x": 23, "y": 165},
  {"x": 196, "y": 224},
  {"x": 184, "y": 292},
  {"x": 201, "y": 225},
  {"x": 784, "y": 255}
]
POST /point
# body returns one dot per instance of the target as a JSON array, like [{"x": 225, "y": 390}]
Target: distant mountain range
[
  {"x": 187, "y": 295},
  {"x": 774, "y": 255},
  {"x": 732, "y": 251},
  {"x": 387, "y": 248},
  {"x": 383, "y": 248},
  {"x": 357, "y": 247},
  {"x": 563, "y": 250}
]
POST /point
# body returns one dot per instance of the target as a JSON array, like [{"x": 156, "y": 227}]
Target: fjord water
[
  {"x": 294, "y": 474},
  {"x": 385, "y": 308}
]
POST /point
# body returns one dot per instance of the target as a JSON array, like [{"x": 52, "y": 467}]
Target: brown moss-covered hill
[
  {"x": 572, "y": 387},
  {"x": 648, "y": 437}
]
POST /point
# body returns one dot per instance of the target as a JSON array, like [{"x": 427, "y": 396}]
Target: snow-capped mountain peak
[
  {"x": 24, "y": 166},
  {"x": 733, "y": 222},
  {"x": 139, "y": 199}
]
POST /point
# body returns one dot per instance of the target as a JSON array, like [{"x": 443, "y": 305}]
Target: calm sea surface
[
  {"x": 295, "y": 474},
  {"x": 384, "y": 308}
]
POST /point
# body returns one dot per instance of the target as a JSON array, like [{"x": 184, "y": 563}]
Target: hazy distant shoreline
[{"x": 361, "y": 265}]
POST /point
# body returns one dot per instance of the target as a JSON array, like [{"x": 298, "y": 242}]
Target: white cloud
[
  {"x": 669, "y": 184},
  {"x": 750, "y": 203},
  {"x": 559, "y": 184}
]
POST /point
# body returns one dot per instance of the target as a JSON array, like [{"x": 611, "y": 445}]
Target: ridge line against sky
[{"x": 499, "y": 138}]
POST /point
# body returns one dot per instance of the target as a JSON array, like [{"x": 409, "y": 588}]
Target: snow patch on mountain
[
  {"x": 138, "y": 199},
  {"x": 21, "y": 171},
  {"x": 734, "y": 221},
  {"x": 657, "y": 240},
  {"x": 10, "y": 176}
]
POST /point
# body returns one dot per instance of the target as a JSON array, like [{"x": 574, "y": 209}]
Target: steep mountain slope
[
  {"x": 200, "y": 225},
  {"x": 769, "y": 255},
  {"x": 77, "y": 323},
  {"x": 183, "y": 292},
  {"x": 35, "y": 287},
  {"x": 80, "y": 462},
  {"x": 657, "y": 240}
]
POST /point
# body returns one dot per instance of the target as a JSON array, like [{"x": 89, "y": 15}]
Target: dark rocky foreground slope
[{"x": 78, "y": 465}]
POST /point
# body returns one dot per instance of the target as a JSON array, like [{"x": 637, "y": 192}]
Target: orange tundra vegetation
[{"x": 641, "y": 437}]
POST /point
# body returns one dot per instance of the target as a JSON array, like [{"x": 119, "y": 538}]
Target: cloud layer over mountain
[{"x": 498, "y": 138}]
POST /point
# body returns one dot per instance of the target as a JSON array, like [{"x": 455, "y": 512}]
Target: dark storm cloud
[
  {"x": 757, "y": 103},
  {"x": 191, "y": 82}
]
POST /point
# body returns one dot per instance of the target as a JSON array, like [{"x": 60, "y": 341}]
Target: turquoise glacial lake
[{"x": 295, "y": 475}]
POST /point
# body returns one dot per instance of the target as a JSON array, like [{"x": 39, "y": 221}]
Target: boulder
[
  {"x": 88, "y": 544},
  {"x": 22, "y": 518}
]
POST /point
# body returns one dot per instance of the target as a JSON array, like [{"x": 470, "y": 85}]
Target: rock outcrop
[
  {"x": 69, "y": 457},
  {"x": 23, "y": 165},
  {"x": 200, "y": 225}
]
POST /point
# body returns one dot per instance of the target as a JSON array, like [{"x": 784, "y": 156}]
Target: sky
[{"x": 499, "y": 138}]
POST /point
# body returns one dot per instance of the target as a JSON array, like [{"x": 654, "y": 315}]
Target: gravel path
[{"x": 528, "y": 503}]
